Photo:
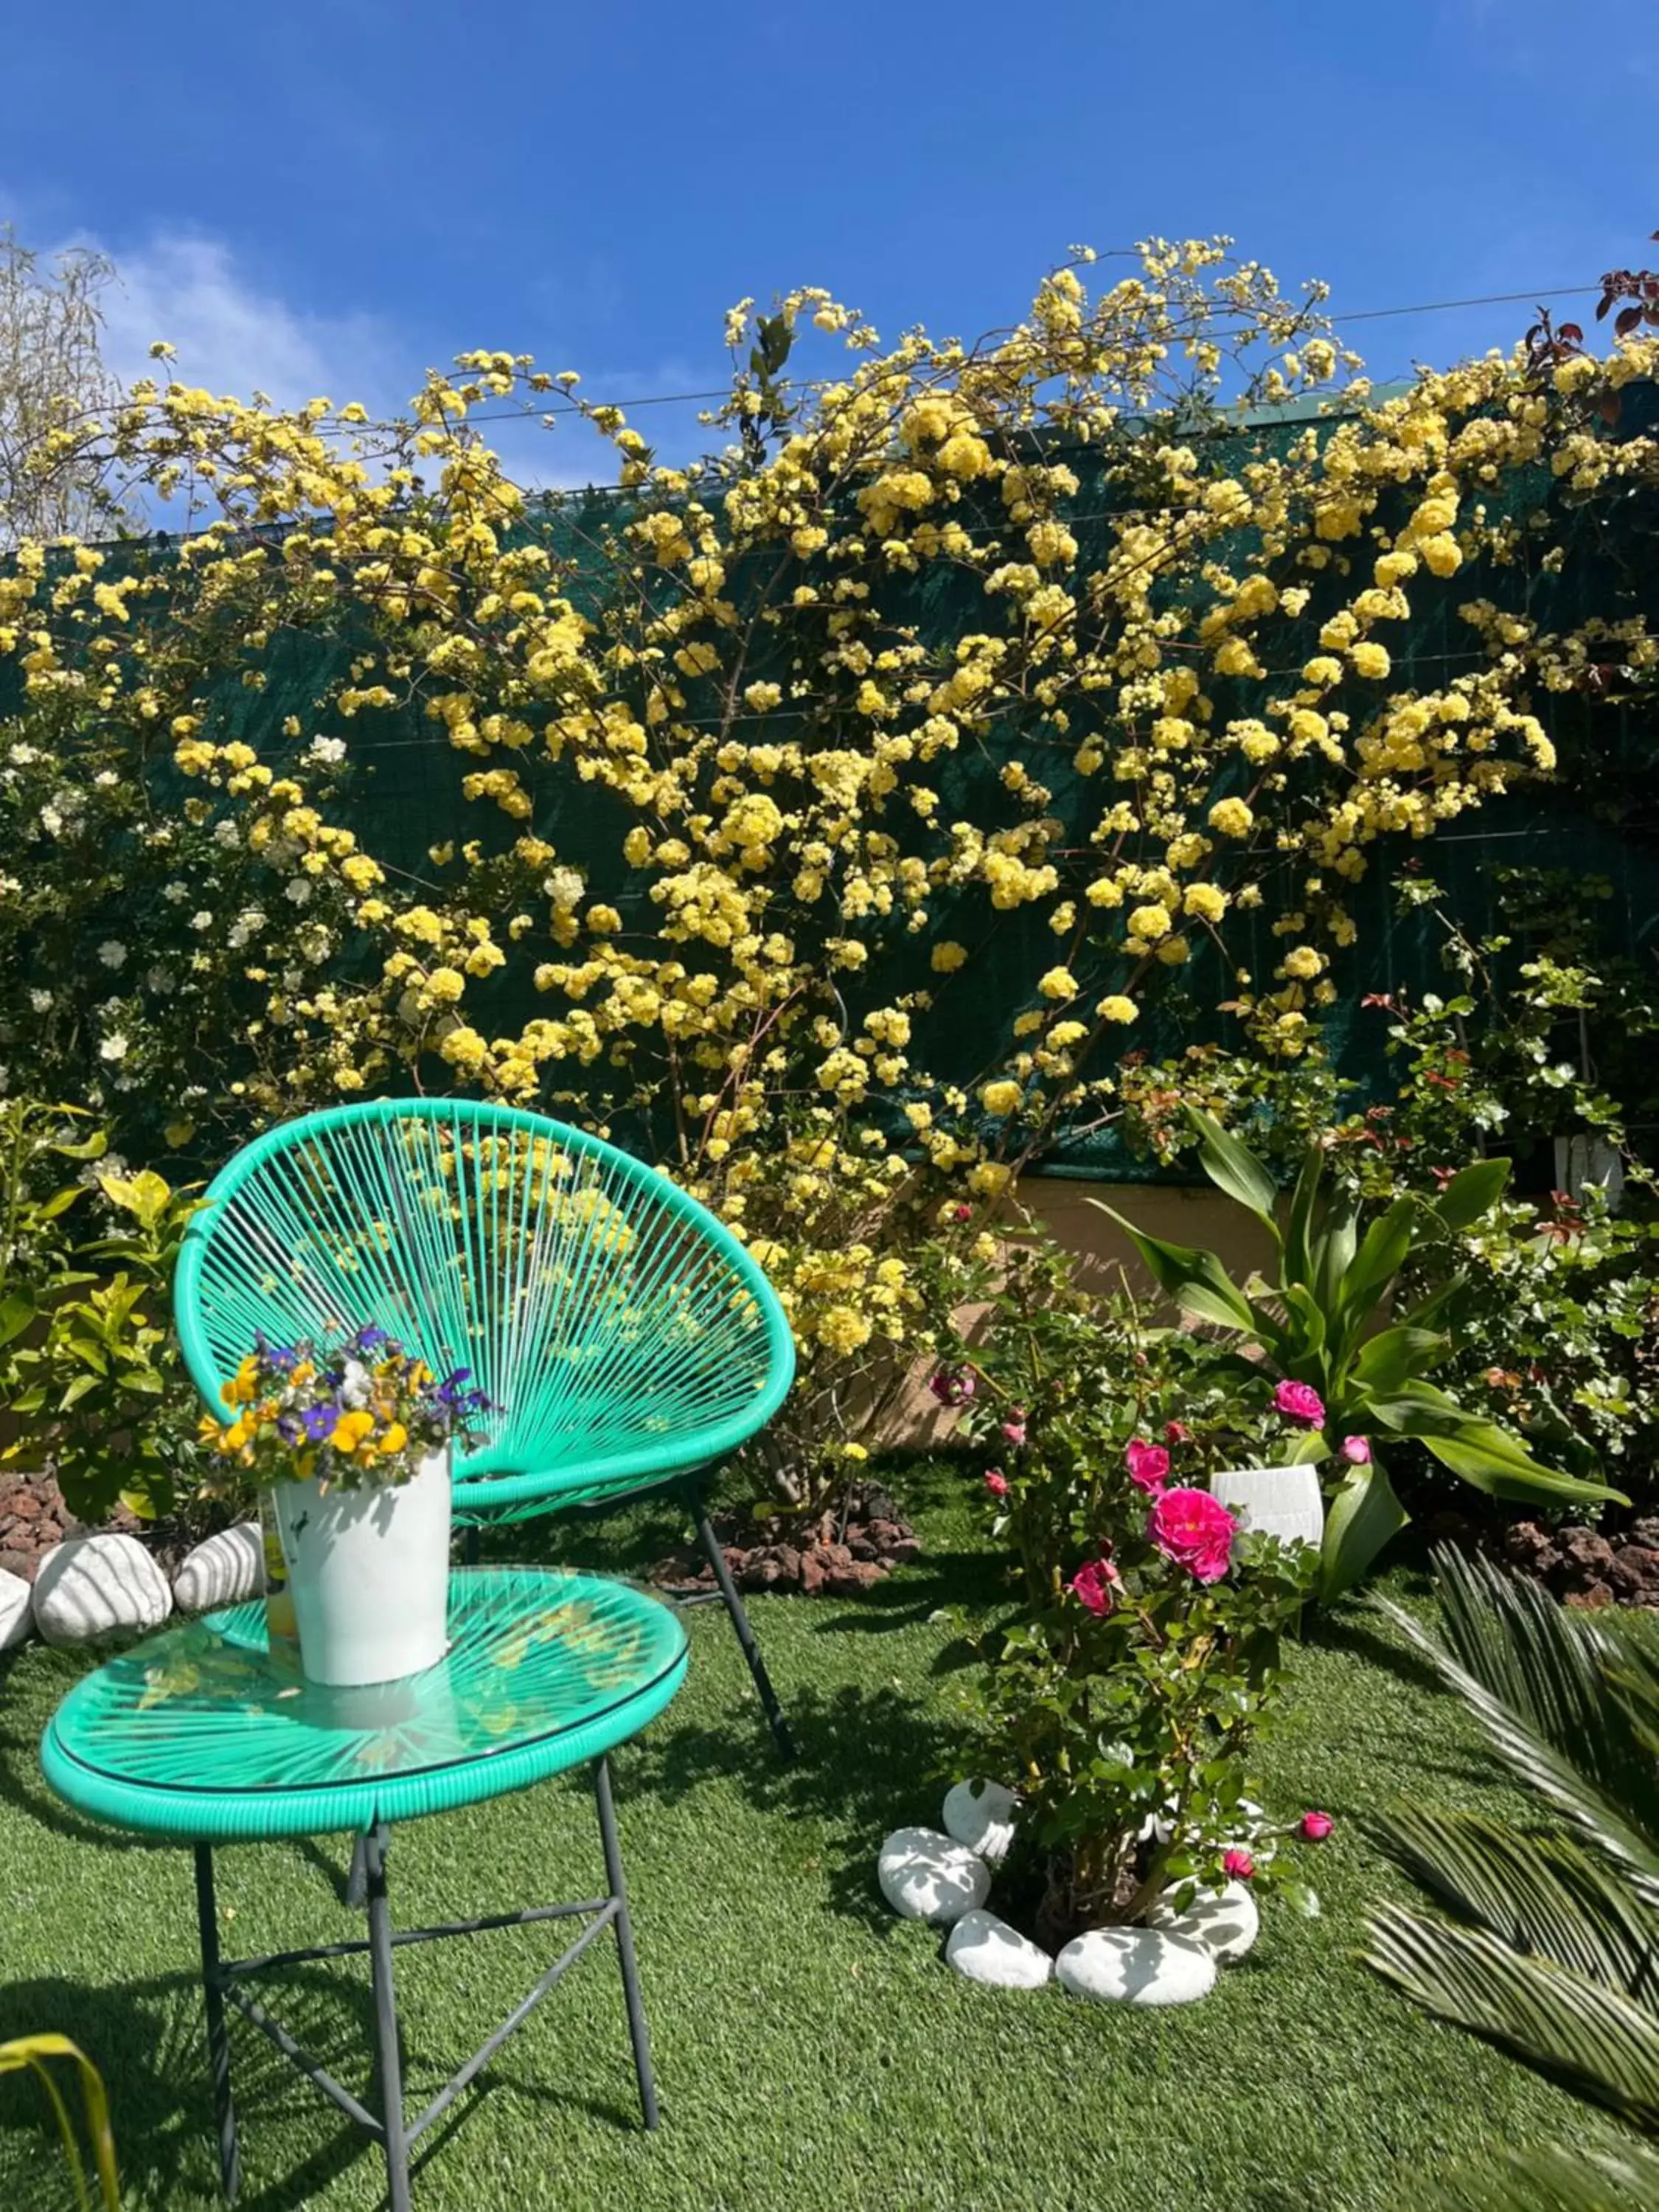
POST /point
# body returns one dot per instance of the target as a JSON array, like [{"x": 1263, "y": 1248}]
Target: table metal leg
[
  {"x": 613, "y": 1870},
  {"x": 356, "y": 1894},
  {"x": 218, "y": 2037},
  {"x": 385, "y": 2020}
]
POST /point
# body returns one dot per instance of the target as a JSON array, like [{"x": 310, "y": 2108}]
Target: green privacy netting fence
[{"x": 1596, "y": 821}]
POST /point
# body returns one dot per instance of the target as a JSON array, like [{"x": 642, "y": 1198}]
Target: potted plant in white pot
[
  {"x": 352, "y": 1443},
  {"x": 1347, "y": 1369}
]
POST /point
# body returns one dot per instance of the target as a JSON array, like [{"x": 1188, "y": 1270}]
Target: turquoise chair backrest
[{"x": 621, "y": 1333}]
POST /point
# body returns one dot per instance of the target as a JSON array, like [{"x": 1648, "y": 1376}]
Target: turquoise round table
[{"x": 205, "y": 1734}]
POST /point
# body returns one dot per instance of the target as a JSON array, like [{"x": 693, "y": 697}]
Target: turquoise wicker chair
[{"x": 625, "y": 1338}]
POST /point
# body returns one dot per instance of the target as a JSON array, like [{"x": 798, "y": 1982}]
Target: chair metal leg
[
  {"x": 733, "y": 1603},
  {"x": 218, "y": 2038},
  {"x": 385, "y": 2021},
  {"x": 638, "y": 2032}
]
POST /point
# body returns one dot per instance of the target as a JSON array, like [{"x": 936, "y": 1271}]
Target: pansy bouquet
[{"x": 362, "y": 1411}]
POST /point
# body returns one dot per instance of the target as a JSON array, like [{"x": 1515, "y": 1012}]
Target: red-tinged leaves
[{"x": 1630, "y": 319}]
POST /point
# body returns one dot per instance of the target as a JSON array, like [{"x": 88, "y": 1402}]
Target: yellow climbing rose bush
[{"x": 826, "y": 816}]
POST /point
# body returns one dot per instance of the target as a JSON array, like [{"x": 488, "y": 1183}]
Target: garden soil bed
[{"x": 843, "y": 1551}]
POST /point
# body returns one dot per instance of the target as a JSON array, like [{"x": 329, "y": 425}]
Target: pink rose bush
[{"x": 1146, "y": 1644}]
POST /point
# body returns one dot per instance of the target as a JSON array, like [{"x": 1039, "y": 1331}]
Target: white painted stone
[
  {"x": 981, "y": 1814},
  {"x": 90, "y": 1587},
  {"x": 16, "y": 1610},
  {"x": 1135, "y": 1965},
  {"x": 1224, "y": 1921},
  {"x": 224, "y": 1571},
  {"x": 988, "y": 1950},
  {"x": 926, "y": 1876}
]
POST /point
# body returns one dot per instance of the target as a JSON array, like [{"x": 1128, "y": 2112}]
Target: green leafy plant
[
  {"x": 1124, "y": 1691},
  {"x": 1549, "y": 1949},
  {"x": 1326, "y": 1327},
  {"x": 32, "y": 2052},
  {"x": 90, "y": 1369}
]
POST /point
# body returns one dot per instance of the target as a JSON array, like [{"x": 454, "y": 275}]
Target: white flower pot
[
  {"x": 1273, "y": 1501},
  {"x": 1582, "y": 1160},
  {"x": 368, "y": 1572}
]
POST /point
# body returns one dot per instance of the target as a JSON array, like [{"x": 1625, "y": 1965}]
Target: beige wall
[{"x": 1180, "y": 1216}]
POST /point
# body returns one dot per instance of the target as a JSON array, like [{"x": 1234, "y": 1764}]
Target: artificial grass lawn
[{"x": 811, "y": 2050}]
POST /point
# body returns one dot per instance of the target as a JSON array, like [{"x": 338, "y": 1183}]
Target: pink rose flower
[
  {"x": 1357, "y": 1451},
  {"x": 952, "y": 1386},
  {"x": 1195, "y": 1530},
  {"x": 1014, "y": 1429},
  {"x": 1092, "y": 1585},
  {"x": 1148, "y": 1464},
  {"x": 1176, "y": 1432},
  {"x": 1301, "y": 1403},
  {"x": 1315, "y": 1826},
  {"x": 996, "y": 1482},
  {"x": 1238, "y": 1866}
]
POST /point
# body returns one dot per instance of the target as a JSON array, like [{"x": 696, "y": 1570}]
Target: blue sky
[{"x": 329, "y": 199}]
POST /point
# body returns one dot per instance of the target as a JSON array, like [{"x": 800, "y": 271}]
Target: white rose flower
[
  {"x": 113, "y": 1047},
  {"x": 113, "y": 952}
]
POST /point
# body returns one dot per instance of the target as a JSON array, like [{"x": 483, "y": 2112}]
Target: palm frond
[
  {"x": 1595, "y": 2042},
  {"x": 1570, "y": 1705},
  {"x": 1545, "y": 1896}
]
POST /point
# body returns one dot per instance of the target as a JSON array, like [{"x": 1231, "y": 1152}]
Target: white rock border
[{"x": 945, "y": 1878}]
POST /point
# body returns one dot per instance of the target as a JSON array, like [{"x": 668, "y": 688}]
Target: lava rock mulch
[{"x": 843, "y": 1551}]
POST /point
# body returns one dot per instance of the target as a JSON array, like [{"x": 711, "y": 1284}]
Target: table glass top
[{"x": 537, "y": 1654}]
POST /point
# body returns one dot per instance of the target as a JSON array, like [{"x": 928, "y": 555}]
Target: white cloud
[
  {"x": 234, "y": 338},
  {"x": 235, "y": 335}
]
